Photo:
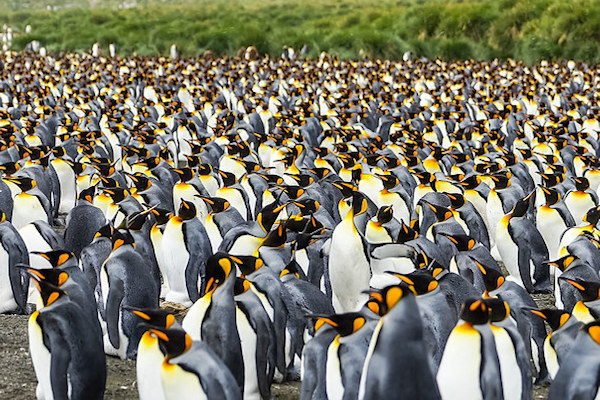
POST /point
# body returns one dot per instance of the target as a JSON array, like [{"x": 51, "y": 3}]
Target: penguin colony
[{"x": 342, "y": 223}]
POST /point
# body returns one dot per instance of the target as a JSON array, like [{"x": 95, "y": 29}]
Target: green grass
[{"x": 454, "y": 29}]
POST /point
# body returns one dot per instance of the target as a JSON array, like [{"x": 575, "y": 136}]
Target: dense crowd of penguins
[{"x": 373, "y": 228}]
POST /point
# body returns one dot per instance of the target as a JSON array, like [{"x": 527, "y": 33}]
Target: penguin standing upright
[
  {"x": 185, "y": 248},
  {"x": 13, "y": 284},
  {"x": 349, "y": 270},
  {"x": 396, "y": 360},
  {"x": 67, "y": 356}
]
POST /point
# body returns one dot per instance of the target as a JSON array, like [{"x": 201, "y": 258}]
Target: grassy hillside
[{"x": 529, "y": 30}]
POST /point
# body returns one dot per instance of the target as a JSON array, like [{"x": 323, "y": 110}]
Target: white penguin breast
[
  {"x": 180, "y": 384},
  {"x": 458, "y": 375},
  {"x": 40, "y": 356},
  {"x": 333, "y": 380},
  {"x": 550, "y": 224},
  {"x": 7, "y": 298},
  {"x": 349, "y": 270},
  {"x": 508, "y": 251},
  {"x": 148, "y": 365},
  {"x": 67, "y": 182},
  {"x": 248, "y": 341},
  {"x": 192, "y": 322},
  {"x": 551, "y": 357},
  {"x": 26, "y": 209},
  {"x": 509, "y": 368},
  {"x": 175, "y": 260}
]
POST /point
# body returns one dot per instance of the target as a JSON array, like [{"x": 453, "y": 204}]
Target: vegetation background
[{"x": 529, "y": 30}]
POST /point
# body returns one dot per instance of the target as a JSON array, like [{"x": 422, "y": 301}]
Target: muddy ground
[{"x": 18, "y": 381}]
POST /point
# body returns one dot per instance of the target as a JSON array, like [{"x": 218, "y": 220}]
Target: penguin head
[
  {"x": 471, "y": 182},
  {"x": 382, "y": 301},
  {"x": 562, "y": 263},
  {"x": 406, "y": 233},
  {"x": 105, "y": 232},
  {"x": 240, "y": 286},
  {"x": 154, "y": 317},
  {"x": 492, "y": 278},
  {"x": 593, "y": 329},
  {"x": 218, "y": 269},
  {"x": 268, "y": 215},
  {"x": 217, "y": 204},
  {"x": 522, "y": 205},
  {"x": 292, "y": 192},
  {"x": 291, "y": 269},
  {"x": 87, "y": 194},
  {"x": 58, "y": 258},
  {"x": 135, "y": 221},
  {"x": 276, "y": 238},
  {"x": 359, "y": 203},
  {"x": 384, "y": 214},
  {"x": 228, "y": 178},
  {"x": 592, "y": 216},
  {"x": 441, "y": 213},
  {"x": 501, "y": 180},
  {"x": 117, "y": 194},
  {"x": 184, "y": 174},
  {"x": 247, "y": 264},
  {"x": 555, "y": 318},
  {"x": 307, "y": 206},
  {"x": 425, "y": 178},
  {"x": 345, "y": 324},
  {"x": 420, "y": 281},
  {"x": 174, "y": 342},
  {"x": 457, "y": 200},
  {"x": 49, "y": 293},
  {"x": 475, "y": 312},
  {"x": 346, "y": 188},
  {"x": 53, "y": 276},
  {"x": 24, "y": 183},
  {"x": 581, "y": 184},
  {"x": 320, "y": 173},
  {"x": 303, "y": 180},
  {"x": 141, "y": 181},
  {"x": 552, "y": 195},
  {"x": 460, "y": 241},
  {"x": 9, "y": 168},
  {"x": 121, "y": 238},
  {"x": 187, "y": 210},
  {"x": 499, "y": 309},
  {"x": 161, "y": 215},
  {"x": 389, "y": 181},
  {"x": 589, "y": 290}
]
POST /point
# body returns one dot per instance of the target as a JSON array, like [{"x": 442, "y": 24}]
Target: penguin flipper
[
  {"x": 116, "y": 293},
  {"x": 17, "y": 251}
]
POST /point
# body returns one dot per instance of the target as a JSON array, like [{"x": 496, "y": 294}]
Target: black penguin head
[
  {"x": 460, "y": 241},
  {"x": 552, "y": 195},
  {"x": 555, "y": 318},
  {"x": 581, "y": 184},
  {"x": 592, "y": 216},
  {"x": 117, "y": 194},
  {"x": 205, "y": 169},
  {"x": 346, "y": 188},
  {"x": 562, "y": 263},
  {"x": 501, "y": 181},
  {"x": 24, "y": 183},
  {"x": 420, "y": 281},
  {"x": 345, "y": 324},
  {"x": 217, "y": 204},
  {"x": 441, "y": 213},
  {"x": 475, "y": 312},
  {"x": 184, "y": 174},
  {"x": 385, "y": 214},
  {"x": 307, "y": 206},
  {"x": 155, "y": 317},
  {"x": 359, "y": 203},
  {"x": 57, "y": 258},
  {"x": 320, "y": 173},
  {"x": 276, "y": 238},
  {"x": 174, "y": 342},
  {"x": 106, "y": 231},
  {"x": 187, "y": 210},
  {"x": 593, "y": 329},
  {"x": 589, "y": 290},
  {"x": 521, "y": 207},
  {"x": 9, "y": 168},
  {"x": 425, "y": 178},
  {"x": 492, "y": 278},
  {"x": 268, "y": 215},
  {"x": 303, "y": 180},
  {"x": 218, "y": 268},
  {"x": 240, "y": 286},
  {"x": 382, "y": 301},
  {"x": 406, "y": 233},
  {"x": 141, "y": 181},
  {"x": 499, "y": 309},
  {"x": 121, "y": 238},
  {"x": 48, "y": 292},
  {"x": 52, "y": 276},
  {"x": 87, "y": 194},
  {"x": 247, "y": 264},
  {"x": 161, "y": 215},
  {"x": 229, "y": 179},
  {"x": 389, "y": 181},
  {"x": 471, "y": 182},
  {"x": 456, "y": 200},
  {"x": 135, "y": 221},
  {"x": 290, "y": 270}
]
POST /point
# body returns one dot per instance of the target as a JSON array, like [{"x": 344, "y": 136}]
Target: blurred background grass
[{"x": 528, "y": 30}]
